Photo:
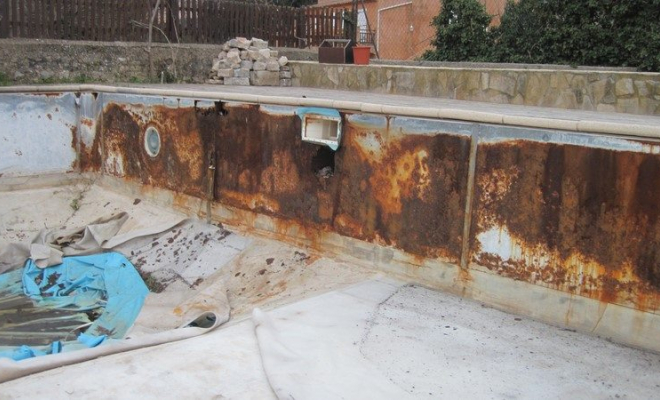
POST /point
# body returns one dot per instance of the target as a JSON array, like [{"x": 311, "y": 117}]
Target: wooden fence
[{"x": 186, "y": 21}]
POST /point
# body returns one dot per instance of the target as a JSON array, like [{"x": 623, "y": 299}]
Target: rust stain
[
  {"x": 409, "y": 191},
  {"x": 410, "y": 194},
  {"x": 583, "y": 220},
  {"x": 187, "y": 135},
  {"x": 90, "y": 157}
]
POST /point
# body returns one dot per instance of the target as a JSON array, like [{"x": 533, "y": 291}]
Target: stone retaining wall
[
  {"x": 594, "y": 90},
  {"x": 43, "y": 61}
]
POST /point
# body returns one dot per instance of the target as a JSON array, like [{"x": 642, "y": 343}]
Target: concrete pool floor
[{"x": 341, "y": 320}]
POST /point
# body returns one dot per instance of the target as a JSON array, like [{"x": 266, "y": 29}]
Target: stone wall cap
[{"x": 536, "y": 117}]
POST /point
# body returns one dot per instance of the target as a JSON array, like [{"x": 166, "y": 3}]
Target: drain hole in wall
[{"x": 323, "y": 163}]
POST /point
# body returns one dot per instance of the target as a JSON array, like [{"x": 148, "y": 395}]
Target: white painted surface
[
  {"x": 36, "y": 134},
  {"x": 426, "y": 343}
]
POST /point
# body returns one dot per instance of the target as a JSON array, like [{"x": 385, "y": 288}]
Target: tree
[
  {"x": 584, "y": 32},
  {"x": 462, "y": 32}
]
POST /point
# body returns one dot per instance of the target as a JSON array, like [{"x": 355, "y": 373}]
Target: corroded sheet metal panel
[
  {"x": 38, "y": 134},
  {"x": 187, "y": 135},
  {"x": 89, "y": 127},
  {"x": 579, "y": 219},
  {"x": 403, "y": 188},
  {"x": 389, "y": 184},
  {"x": 264, "y": 166}
]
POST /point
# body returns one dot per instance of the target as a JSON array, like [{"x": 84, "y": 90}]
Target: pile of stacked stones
[{"x": 244, "y": 62}]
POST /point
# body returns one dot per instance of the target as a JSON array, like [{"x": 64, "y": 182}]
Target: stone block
[
  {"x": 264, "y": 78},
  {"x": 264, "y": 54},
  {"x": 237, "y": 81},
  {"x": 253, "y": 54},
  {"x": 234, "y": 56},
  {"x": 642, "y": 88},
  {"x": 243, "y": 43},
  {"x": 259, "y": 43},
  {"x": 503, "y": 84},
  {"x": 285, "y": 74},
  {"x": 273, "y": 65},
  {"x": 241, "y": 73},
  {"x": 274, "y": 53},
  {"x": 283, "y": 61},
  {"x": 225, "y": 73},
  {"x": 226, "y": 47},
  {"x": 222, "y": 55},
  {"x": 244, "y": 54},
  {"x": 624, "y": 87},
  {"x": 259, "y": 66},
  {"x": 215, "y": 81},
  {"x": 246, "y": 64},
  {"x": 285, "y": 82},
  {"x": 285, "y": 68}
]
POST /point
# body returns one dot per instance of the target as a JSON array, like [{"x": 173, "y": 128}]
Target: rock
[
  {"x": 237, "y": 81},
  {"x": 46, "y": 74},
  {"x": 253, "y": 54},
  {"x": 264, "y": 78},
  {"x": 241, "y": 73},
  {"x": 503, "y": 84},
  {"x": 259, "y": 66},
  {"x": 273, "y": 65},
  {"x": 285, "y": 74},
  {"x": 624, "y": 87},
  {"x": 283, "y": 61},
  {"x": 18, "y": 75},
  {"x": 235, "y": 65},
  {"x": 226, "y": 47},
  {"x": 274, "y": 53},
  {"x": 217, "y": 64},
  {"x": 234, "y": 56},
  {"x": 214, "y": 81},
  {"x": 285, "y": 68},
  {"x": 222, "y": 55},
  {"x": 244, "y": 54},
  {"x": 225, "y": 73},
  {"x": 242, "y": 43},
  {"x": 246, "y": 64},
  {"x": 259, "y": 44},
  {"x": 264, "y": 54},
  {"x": 285, "y": 82},
  {"x": 233, "y": 43}
]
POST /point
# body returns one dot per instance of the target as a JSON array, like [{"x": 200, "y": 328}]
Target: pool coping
[{"x": 642, "y": 126}]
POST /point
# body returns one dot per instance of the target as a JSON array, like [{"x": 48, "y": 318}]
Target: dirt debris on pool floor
[{"x": 427, "y": 343}]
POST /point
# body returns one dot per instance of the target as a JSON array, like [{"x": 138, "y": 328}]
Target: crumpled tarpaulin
[
  {"x": 311, "y": 350},
  {"x": 104, "y": 285}
]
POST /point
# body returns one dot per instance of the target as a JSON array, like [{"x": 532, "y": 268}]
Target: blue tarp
[{"x": 106, "y": 282}]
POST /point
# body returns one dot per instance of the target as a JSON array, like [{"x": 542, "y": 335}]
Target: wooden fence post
[{"x": 4, "y": 18}]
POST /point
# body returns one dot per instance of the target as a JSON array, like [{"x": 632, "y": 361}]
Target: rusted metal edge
[
  {"x": 472, "y": 169},
  {"x": 625, "y": 127}
]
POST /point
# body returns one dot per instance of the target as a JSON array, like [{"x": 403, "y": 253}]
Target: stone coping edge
[{"x": 593, "y": 126}]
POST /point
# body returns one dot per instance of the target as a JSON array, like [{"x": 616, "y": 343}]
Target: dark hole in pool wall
[
  {"x": 323, "y": 163},
  {"x": 592, "y": 212}
]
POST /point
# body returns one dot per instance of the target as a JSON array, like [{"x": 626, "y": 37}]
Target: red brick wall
[{"x": 405, "y": 32}]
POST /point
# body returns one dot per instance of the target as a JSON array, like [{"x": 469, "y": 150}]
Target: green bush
[
  {"x": 462, "y": 32},
  {"x": 574, "y": 32}
]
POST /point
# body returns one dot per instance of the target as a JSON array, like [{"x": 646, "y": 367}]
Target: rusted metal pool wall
[{"x": 563, "y": 210}]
